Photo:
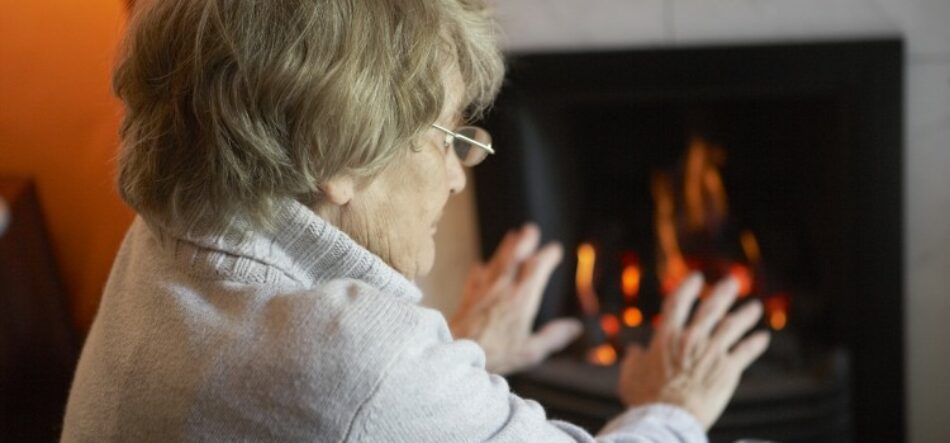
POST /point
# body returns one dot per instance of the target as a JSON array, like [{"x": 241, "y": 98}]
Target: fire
[
  {"x": 603, "y": 355},
  {"x": 632, "y": 317},
  {"x": 586, "y": 256},
  {"x": 776, "y": 311},
  {"x": 630, "y": 281},
  {"x": 743, "y": 275},
  {"x": 750, "y": 246},
  {"x": 610, "y": 324},
  {"x": 672, "y": 266},
  {"x": 777, "y": 320},
  {"x": 704, "y": 194}
]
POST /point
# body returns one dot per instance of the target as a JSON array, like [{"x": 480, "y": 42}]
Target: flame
[
  {"x": 610, "y": 324},
  {"x": 750, "y": 246},
  {"x": 630, "y": 282},
  {"x": 632, "y": 317},
  {"x": 672, "y": 268},
  {"x": 777, "y": 320},
  {"x": 704, "y": 194},
  {"x": 776, "y": 311},
  {"x": 743, "y": 275},
  {"x": 586, "y": 256},
  {"x": 603, "y": 355}
]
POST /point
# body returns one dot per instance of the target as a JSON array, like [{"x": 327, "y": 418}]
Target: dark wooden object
[{"x": 38, "y": 345}]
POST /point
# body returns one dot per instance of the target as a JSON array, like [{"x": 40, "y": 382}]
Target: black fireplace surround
[{"x": 814, "y": 144}]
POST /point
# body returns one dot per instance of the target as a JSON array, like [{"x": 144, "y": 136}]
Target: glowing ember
[
  {"x": 603, "y": 355},
  {"x": 632, "y": 317},
  {"x": 776, "y": 311},
  {"x": 586, "y": 257},
  {"x": 610, "y": 324},
  {"x": 742, "y": 274}
]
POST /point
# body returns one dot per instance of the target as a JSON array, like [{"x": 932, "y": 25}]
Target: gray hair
[{"x": 232, "y": 105}]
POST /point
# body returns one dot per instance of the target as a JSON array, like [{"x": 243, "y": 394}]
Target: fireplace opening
[{"x": 778, "y": 165}]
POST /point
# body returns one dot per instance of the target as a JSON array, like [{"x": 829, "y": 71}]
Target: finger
[
  {"x": 528, "y": 242},
  {"x": 503, "y": 249},
  {"x": 712, "y": 310},
  {"x": 519, "y": 247},
  {"x": 553, "y": 337},
  {"x": 749, "y": 349},
  {"x": 534, "y": 275},
  {"x": 735, "y": 325},
  {"x": 473, "y": 294},
  {"x": 677, "y": 306},
  {"x": 476, "y": 274},
  {"x": 729, "y": 331},
  {"x": 690, "y": 350}
]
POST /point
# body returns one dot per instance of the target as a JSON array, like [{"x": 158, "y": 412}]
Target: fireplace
[{"x": 778, "y": 164}]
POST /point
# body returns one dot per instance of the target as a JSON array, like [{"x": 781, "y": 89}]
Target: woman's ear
[{"x": 339, "y": 190}]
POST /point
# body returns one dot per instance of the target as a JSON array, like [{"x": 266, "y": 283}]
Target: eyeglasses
[{"x": 471, "y": 143}]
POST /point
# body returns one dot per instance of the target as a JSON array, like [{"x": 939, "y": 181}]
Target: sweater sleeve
[{"x": 436, "y": 389}]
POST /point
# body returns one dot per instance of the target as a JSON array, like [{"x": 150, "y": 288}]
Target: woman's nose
[{"x": 455, "y": 172}]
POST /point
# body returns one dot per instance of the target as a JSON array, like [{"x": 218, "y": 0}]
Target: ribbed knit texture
[{"x": 302, "y": 335}]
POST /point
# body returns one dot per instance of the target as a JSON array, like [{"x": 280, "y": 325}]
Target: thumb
[{"x": 553, "y": 337}]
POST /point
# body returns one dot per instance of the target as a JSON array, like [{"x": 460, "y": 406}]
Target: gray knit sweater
[{"x": 298, "y": 336}]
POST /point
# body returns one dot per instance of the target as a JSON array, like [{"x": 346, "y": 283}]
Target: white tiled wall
[{"x": 579, "y": 24}]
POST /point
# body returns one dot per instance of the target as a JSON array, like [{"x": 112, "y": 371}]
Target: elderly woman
[{"x": 289, "y": 161}]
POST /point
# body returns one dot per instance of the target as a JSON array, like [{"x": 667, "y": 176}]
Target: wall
[
  {"x": 58, "y": 125},
  {"x": 575, "y": 24}
]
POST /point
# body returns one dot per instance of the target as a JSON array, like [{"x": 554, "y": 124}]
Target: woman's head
[{"x": 233, "y": 105}]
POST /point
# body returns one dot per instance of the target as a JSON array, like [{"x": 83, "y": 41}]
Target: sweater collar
[{"x": 304, "y": 247}]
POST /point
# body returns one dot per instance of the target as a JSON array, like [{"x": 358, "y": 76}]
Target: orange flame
[
  {"x": 586, "y": 256},
  {"x": 610, "y": 324},
  {"x": 702, "y": 209},
  {"x": 776, "y": 311},
  {"x": 672, "y": 267},
  {"x": 630, "y": 282},
  {"x": 704, "y": 194},
  {"x": 750, "y": 246},
  {"x": 603, "y": 355},
  {"x": 632, "y": 317},
  {"x": 743, "y": 275}
]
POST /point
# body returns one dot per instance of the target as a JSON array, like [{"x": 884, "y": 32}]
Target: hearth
[{"x": 777, "y": 164}]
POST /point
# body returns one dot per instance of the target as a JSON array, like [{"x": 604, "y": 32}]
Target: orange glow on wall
[{"x": 58, "y": 126}]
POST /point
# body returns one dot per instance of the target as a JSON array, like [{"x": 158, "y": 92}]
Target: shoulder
[
  {"x": 344, "y": 332},
  {"x": 321, "y": 352},
  {"x": 346, "y": 310}
]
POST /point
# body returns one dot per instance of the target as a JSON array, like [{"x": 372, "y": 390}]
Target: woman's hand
[
  {"x": 501, "y": 299},
  {"x": 696, "y": 367}
]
